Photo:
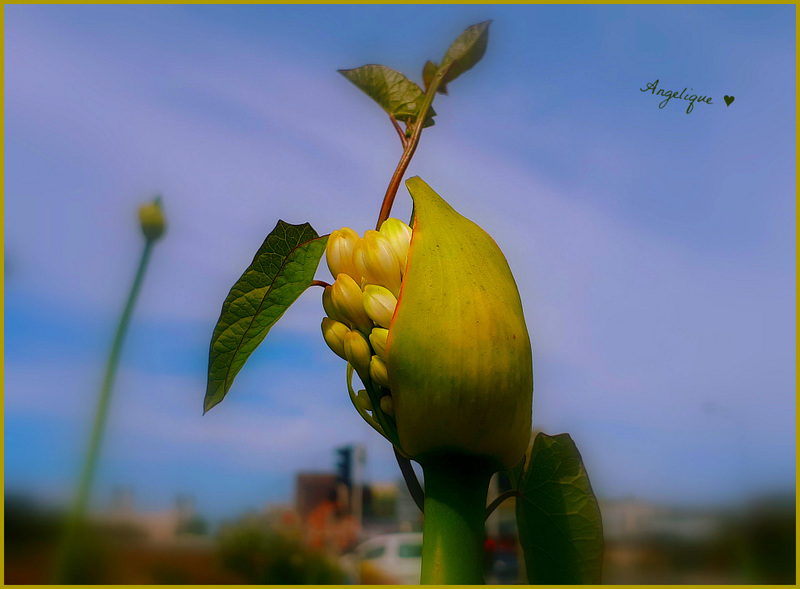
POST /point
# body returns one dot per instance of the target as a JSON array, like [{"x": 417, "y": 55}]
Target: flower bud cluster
[{"x": 361, "y": 302}]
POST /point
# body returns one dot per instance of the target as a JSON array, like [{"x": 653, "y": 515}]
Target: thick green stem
[
  {"x": 70, "y": 542},
  {"x": 453, "y": 532}
]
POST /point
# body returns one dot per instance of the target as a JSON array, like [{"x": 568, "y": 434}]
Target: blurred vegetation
[
  {"x": 266, "y": 556},
  {"x": 754, "y": 545},
  {"x": 31, "y": 531}
]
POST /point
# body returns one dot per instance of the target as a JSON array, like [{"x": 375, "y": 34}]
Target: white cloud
[{"x": 647, "y": 326}]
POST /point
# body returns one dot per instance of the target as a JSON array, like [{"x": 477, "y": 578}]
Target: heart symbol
[{"x": 729, "y": 99}]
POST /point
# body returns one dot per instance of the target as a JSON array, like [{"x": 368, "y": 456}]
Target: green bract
[{"x": 458, "y": 353}]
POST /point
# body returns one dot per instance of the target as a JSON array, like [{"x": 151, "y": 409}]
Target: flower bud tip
[{"x": 151, "y": 219}]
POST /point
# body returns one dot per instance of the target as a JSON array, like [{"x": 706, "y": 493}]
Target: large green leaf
[
  {"x": 396, "y": 94},
  {"x": 559, "y": 522},
  {"x": 282, "y": 269},
  {"x": 466, "y": 51}
]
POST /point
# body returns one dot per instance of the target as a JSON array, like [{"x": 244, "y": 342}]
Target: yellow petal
[
  {"x": 379, "y": 304},
  {"x": 334, "y": 334},
  {"x": 377, "y": 339},
  {"x": 377, "y": 372},
  {"x": 358, "y": 352},
  {"x": 377, "y": 262},
  {"x": 339, "y": 253},
  {"x": 348, "y": 303}
]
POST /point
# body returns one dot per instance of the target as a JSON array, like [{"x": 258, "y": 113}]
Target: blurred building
[
  {"x": 323, "y": 504},
  {"x": 633, "y": 519},
  {"x": 179, "y": 524},
  {"x": 649, "y": 543},
  {"x": 388, "y": 508},
  {"x": 312, "y": 489}
]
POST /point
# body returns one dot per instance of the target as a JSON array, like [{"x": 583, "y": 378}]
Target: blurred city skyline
[{"x": 654, "y": 250}]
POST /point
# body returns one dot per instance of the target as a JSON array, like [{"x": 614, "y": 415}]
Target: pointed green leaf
[
  {"x": 466, "y": 51},
  {"x": 396, "y": 94},
  {"x": 428, "y": 72},
  {"x": 282, "y": 269},
  {"x": 559, "y": 522}
]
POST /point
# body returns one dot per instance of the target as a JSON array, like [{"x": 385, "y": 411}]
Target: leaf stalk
[
  {"x": 410, "y": 477},
  {"x": 499, "y": 499},
  {"x": 410, "y": 146}
]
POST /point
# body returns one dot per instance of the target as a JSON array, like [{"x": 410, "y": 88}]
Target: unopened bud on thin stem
[
  {"x": 357, "y": 352},
  {"x": 379, "y": 304},
  {"x": 377, "y": 372},
  {"x": 399, "y": 235},
  {"x": 151, "y": 220},
  {"x": 348, "y": 304},
  {"x": 378, "y": 341},
  {"x": 375, "y": 259},
  {"x": 339, "y": 253},
  {"x": 334, "y": 334}
]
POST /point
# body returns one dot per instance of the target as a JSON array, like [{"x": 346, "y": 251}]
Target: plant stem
[
  {"x": 408, "y": 151},
  {"x": 399, "y": 130},
  {"x": 499, "y": 499},
  {"x": 69, "y": 547},
  {"x": 453, "y": 531}
]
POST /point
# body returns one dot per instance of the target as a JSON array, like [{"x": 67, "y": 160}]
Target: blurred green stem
[
  {"x": 453, "y": 531},
  {"x": 70, "y": 545}
]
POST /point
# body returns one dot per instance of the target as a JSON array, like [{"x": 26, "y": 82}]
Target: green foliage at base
[{"x": 264, "y": 556}]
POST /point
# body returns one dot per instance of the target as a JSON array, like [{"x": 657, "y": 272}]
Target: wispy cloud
[{"x": 655, "y": 271}]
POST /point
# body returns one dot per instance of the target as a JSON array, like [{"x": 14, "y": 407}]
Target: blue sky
[{"x": 654, "y": 250}]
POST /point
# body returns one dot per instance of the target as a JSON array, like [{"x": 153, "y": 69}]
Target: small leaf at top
[
  {"x": 282, "y": 269},
  {"x": 428, "y": 72},
  {"x": 558, "y": 517},
  {"x": 466, "y": 51},
  {"x": 396, "y": 94}
]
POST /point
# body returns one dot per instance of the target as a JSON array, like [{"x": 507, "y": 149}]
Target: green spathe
[{"x": 458, "y": 351}]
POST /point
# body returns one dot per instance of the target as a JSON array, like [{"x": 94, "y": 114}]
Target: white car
[{"x": 392, "y": 559}]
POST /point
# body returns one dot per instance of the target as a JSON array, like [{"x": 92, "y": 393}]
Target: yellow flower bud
[
  {"x": 377, "y": 338},
  {"x": 363, "y": 400},
  {"x": 327, "y": 304},
  {"x": 399, "y": 235},
  {"x": 357, "y": 352},
  {"x": 458, "y": 352},
  {"x": 348, "y": 305},
  {"x": 151, "y": 220},
  {"x": 377, "y": 372},
  {"x": 387, "y": 405},
  {"x": 375, "y": 259},
  {"x": 339, "y": 253},
  {"x": 334, "y": 333},
  {"x": 379, "y": 304}
]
